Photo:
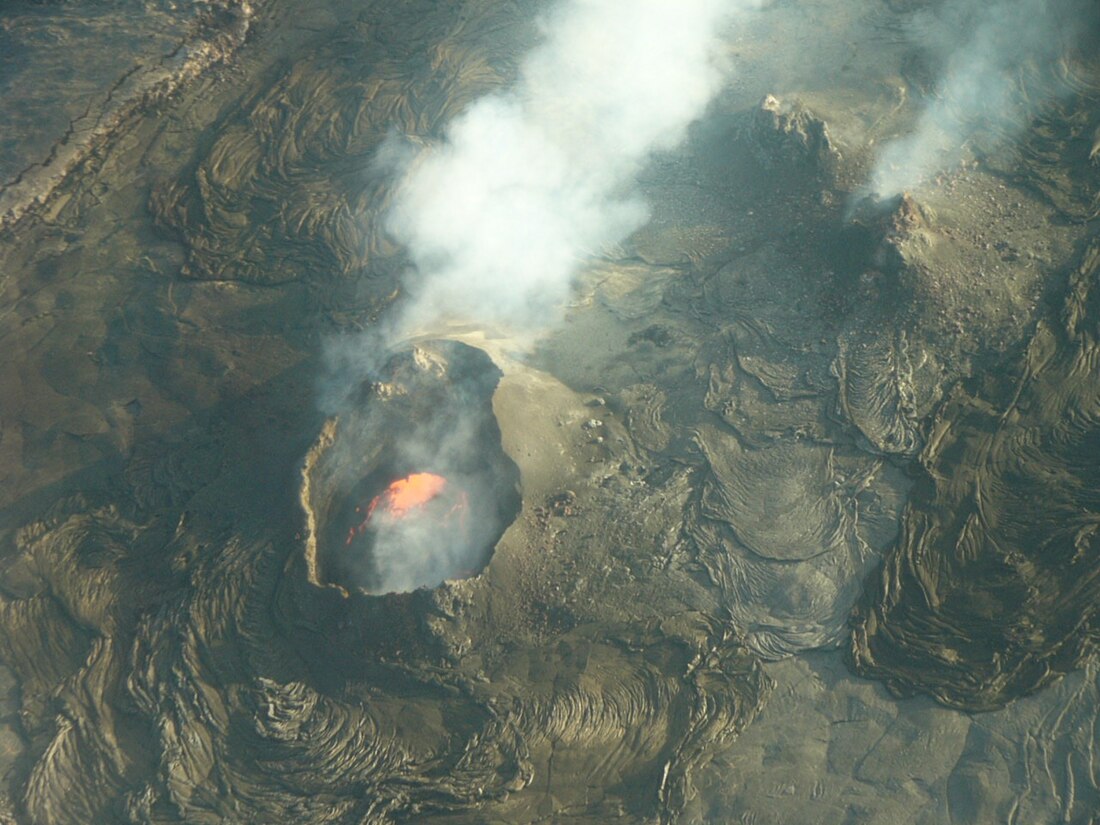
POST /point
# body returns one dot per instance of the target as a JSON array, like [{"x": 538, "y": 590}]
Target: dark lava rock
[
  {"x": 788, "y": 135},
  {"x": 878, "y": 230},
  {"x": 992, "y": 590}
]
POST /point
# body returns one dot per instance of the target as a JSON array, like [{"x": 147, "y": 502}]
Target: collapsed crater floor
[{"x": 408, "y": 485}]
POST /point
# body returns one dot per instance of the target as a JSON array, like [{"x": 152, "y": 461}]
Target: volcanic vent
[{"x": 410, "y": 486}]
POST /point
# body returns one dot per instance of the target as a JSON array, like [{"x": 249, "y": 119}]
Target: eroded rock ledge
[{"x": 214, "y": 36}]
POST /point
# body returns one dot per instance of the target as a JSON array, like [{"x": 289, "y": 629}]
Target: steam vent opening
[{"x": 410, "y": 487}]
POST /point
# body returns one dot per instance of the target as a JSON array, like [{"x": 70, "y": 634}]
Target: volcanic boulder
[{"x": 788, "y": 136}]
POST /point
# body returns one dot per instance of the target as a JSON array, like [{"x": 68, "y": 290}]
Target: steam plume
[
  {"x": 498, "y": 217},
  {"x": 420, "y": 552},
  {"x": 983, "y": 47},
  {"x": 501, "y": 213}
]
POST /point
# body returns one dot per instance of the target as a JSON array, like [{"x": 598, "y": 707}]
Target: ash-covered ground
[{"x": 794, "y": 507}]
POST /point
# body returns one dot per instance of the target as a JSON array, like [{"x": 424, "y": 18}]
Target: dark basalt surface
[
  {"x": 62, "y": 111},
  {"x": 992, "y": 590},
  {"x": 771, "y": 397}
]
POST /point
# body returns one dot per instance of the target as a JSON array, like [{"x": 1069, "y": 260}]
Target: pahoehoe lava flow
[
  {"x": 259, "y": 563},
  {"x": 991, "y": 592}
]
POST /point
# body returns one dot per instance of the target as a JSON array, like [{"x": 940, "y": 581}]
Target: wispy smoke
[
  {"x": 530, "y": 182},
  {"x": 501, "y": 213},
  {"x": 429, "y": 427},
  {"x": 421, "y": 552},
  {"x": 452, "y": 537},
  {"x": 983, "y": 47}
]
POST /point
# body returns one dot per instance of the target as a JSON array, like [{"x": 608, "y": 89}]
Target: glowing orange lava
[
  {"x": 407, "y": 494},
  {"x": 403, "y": 497}
]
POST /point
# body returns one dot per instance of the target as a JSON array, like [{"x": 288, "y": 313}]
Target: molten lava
[
  {"x": 412, "y": 495},
  {"x": 407, "y": 494}
]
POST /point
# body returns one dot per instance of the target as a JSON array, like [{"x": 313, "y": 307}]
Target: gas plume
[
  {"x": 983, "y": 49},
  {"x": 530, "y": 182},
  {"x": 500, "y": 214},
  {"x": 413, "y": 483},
  {"x": 451, "y": 534}
]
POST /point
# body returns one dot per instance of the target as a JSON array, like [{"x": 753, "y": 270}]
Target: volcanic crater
[{"x": 409, "y": 485}]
